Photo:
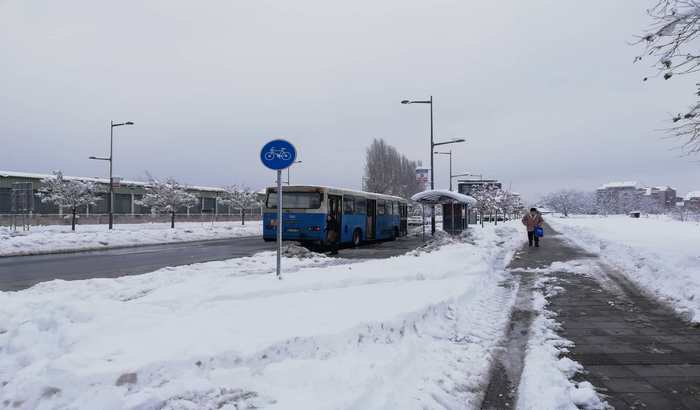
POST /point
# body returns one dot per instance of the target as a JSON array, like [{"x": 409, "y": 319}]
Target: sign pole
[
  {"x": 279, "y": 224},
  {"x": 277, "y": 155}
]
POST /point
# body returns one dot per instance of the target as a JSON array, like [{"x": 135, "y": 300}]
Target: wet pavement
[{"x": 638, "y": 353}]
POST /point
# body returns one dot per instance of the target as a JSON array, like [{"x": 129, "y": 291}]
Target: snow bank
[
  {"x": 546, "y": 381},
  {"x": 657, "y": 253},
  {"x": 60, "y": 238},
  {"x": 409, "y": 332}
]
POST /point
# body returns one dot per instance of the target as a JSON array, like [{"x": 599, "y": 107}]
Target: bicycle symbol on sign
[{"x": 279, "y": 153}]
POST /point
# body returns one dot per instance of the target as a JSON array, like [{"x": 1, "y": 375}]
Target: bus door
[
  {"x": 335, "y": 209},
  {"x": 403, "y": 212},
  {"x": 371, "y": 219}
]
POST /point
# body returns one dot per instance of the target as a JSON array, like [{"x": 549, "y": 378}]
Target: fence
[{"x": 93, "y": 219}]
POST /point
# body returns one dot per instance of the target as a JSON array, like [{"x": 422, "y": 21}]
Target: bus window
[
  {"x": 381, "y": 207},
  {"x": 360, "y": 206},
  {"x": 296, "y": 200},
  {"x": 348, "y": 205}
]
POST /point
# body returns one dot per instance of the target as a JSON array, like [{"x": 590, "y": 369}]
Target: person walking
[{"x": 533, "y": 220}]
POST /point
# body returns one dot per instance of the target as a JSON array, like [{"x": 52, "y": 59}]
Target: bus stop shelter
[{"x": 455, "y": 208}]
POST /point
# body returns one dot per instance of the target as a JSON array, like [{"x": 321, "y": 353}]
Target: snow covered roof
[
  {"x": 96, "y": 180},
  {"x": 337, "y": 190},
  {"x": 625, "y": 184},
  {"x": 442, "y": 196},
  {"x": 692, "y": 195}
]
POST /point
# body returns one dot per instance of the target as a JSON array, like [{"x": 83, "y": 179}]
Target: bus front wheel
[{"x": 356, "y": 237}]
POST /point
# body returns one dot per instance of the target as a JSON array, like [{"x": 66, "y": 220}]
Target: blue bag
[{"x": 539, "y": 231}]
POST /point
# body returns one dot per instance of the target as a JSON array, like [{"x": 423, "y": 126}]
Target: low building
[
  {"x": 629, "y": 196},
  {"x": 126, "y": 196},
  {"x": 660, "y": 198}
]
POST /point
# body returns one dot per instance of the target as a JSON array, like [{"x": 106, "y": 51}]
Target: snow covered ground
[
  {"x": 57, "y": 238},
  {"x": 659, "y": 254},
  {"x": 410, "y": 332}
]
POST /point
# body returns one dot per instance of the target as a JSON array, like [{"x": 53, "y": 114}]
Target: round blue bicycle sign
[{"x": 278, "y": 154}]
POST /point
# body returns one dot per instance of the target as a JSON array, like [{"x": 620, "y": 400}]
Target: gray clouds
[{"x": 207, "y": 83}]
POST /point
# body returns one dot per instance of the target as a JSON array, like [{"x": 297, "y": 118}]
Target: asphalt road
[{"x": 21, "y": 272}]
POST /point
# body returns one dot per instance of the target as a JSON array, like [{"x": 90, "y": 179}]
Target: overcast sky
[{"x": 545, "y": 92}]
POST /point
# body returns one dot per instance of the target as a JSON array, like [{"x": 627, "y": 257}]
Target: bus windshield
[{"x": 296, "y": 200}]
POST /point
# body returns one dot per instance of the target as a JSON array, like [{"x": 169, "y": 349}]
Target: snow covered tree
[
  {"x": 240, "y": 198},
  {"x": 672, "y": 41},
  {"x": 567, "y": 201},
  {"x": 508, "y": 202},
  {"x": 71, "y": 194},
  {"x": 167, "y": 197},
  {"x": 606, "y": 202},
  {"x": 486, "y": 199}
]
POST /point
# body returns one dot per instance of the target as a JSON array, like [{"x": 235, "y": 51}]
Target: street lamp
[
  {"x": 295, "y": 162},
  {"x": 433, "y": 144},
  {"x": 450, "y": 154},
  {"x": 110, "y": 202}
]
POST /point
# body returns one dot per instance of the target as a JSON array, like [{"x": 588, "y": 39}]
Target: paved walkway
[{"x": 638, "y": 353}]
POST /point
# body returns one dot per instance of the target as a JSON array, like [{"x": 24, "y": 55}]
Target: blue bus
[{"x": 362, "y": 216}]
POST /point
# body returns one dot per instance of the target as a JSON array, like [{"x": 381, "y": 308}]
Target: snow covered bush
[{"x": 71, "y": 194}]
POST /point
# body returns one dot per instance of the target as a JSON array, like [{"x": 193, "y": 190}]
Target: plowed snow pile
[{"x": 410, "y": 332}]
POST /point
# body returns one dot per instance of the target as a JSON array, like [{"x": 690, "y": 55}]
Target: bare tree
[
  {"x": 567, "y": 201},
  {"x": 71, "y": 194},
  {"x": 167, "y": 197},
  {"x": 389, "y": 172},
  {"x": 671, "y": 41},
  {"x": 240, "y": 198}
]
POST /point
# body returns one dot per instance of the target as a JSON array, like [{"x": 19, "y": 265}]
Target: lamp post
[
  {"x": 433, "y": 144},
  {"x": 110, "y": 202},
  {"x": 295, "y": 162},
  {"x": 450, "y": 154}
]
